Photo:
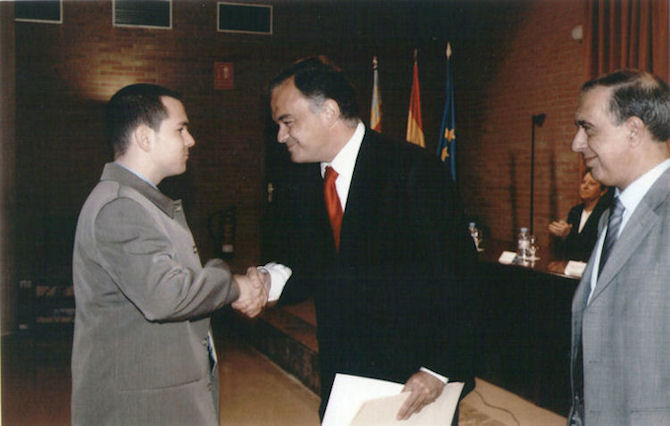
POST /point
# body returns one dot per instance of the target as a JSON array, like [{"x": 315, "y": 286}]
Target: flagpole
[
  {"x": 376, "y": 105},
  {"x": 452, "y": 145},
  {"x": 447, "y": 52},
  {"x": 414, "y": 122},
  {"x": 446, "y": 145}
]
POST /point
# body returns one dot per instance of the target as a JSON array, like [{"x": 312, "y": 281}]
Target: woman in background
[{"x": 577, "y": 236}]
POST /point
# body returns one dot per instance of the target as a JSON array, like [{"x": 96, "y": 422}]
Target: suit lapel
[
  {"x": 311, "y": 214},
  {"x": 637, "y": 228},
  {"x": 361, "y": 200},
  {"x": 579, "y": 300}
]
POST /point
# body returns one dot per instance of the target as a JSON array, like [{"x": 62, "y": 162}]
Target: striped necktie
[{"x": 613, "y": 225}]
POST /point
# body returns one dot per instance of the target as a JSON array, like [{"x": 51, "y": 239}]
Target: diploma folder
[{"x": 362, "y": 401}]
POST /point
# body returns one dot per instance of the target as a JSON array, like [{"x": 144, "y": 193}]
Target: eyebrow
[
  {"x": 283, "y": 117},
  {"x": 582, "y": 123}
]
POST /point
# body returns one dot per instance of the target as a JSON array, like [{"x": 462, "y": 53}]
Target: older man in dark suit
[{"x": 372, "y": 228}]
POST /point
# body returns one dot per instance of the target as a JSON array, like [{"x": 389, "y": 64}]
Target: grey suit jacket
[
  {"x": 140, "y": 352},
  {"x": 625, "y": 329}
]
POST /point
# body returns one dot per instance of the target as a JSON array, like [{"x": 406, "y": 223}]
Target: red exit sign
[{"x": 223, "y": 76}]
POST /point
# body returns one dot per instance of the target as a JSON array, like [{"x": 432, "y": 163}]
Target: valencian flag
[
  {"x": 446, "y": 146},
  {"x": 414, "y": 123},
  {"x": 376, "y": 108}
]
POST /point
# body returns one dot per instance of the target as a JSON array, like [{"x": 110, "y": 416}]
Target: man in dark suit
[
  {"x": 621, "y": 310},
  {"x": 389, "y": 267}
]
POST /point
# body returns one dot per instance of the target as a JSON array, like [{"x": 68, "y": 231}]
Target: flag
[
  {"x": 414, "y": 123},
  {"x": 446, "y": 146},
  {"x": 376, "y": 108}
]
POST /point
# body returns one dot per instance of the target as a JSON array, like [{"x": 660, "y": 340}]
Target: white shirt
[
  {"x": 344, "y": 163},
  {"x": 584, "y": 217},
  {"x": 630, "y": 198}
]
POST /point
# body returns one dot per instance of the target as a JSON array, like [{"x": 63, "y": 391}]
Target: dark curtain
[{"x": 626, "y": 34}]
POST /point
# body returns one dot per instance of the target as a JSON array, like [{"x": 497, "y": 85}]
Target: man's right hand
[{"x": 254, "y": 288}]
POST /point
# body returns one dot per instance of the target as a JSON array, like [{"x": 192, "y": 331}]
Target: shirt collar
[
  {"x": 128, "y": 177},
  {"x": 138, "y": 174},
  {"x": 345, "y": 160},
  {"x": 633, "y": 194}
]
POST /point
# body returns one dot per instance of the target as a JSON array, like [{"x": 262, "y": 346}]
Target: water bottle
[
  {"x": 474, "y": 233},
  {"x": 523, "y": 246}
]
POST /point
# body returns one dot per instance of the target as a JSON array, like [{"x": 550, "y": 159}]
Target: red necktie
[{"x": 333, "y": 204}]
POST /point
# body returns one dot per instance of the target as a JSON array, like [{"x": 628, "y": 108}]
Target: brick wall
[
  {"x": 511, "y": 60},
  {"x": 535, "y": 68}
]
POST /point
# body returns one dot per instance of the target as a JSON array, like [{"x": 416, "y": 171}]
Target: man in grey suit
[
  {"x": 143, "y": 351},
  {"x": 621, "y": 310}
]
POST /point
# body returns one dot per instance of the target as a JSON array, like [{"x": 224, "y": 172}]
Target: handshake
[{"x": 259, "y": 286}]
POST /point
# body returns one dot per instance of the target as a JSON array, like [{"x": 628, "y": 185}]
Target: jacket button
[
  {"x": 209, "y": 387},
  {"x": 204, "y": 342},
  {"x": 195, "y": 250}
]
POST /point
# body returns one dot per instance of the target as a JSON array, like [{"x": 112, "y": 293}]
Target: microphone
[{"x": 538, "y": 120}]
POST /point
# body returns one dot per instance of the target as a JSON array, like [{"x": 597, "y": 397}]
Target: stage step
[{"x": 287, "y": 336}]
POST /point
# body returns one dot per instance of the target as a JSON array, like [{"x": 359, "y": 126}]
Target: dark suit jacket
[
  {"x": 397, "y": 296},
  {"x": 578, "y": 245}
]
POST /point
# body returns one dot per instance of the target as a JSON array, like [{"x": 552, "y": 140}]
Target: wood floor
[
  {"x": 254, "y": 391},
  {"x": 36, "y": 385},
  {"x": 36, "y": 381}
]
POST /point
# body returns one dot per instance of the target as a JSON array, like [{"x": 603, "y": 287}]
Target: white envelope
[{"x": 359, "y": 401}]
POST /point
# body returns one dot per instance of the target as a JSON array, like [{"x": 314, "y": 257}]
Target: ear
[
  {"x": 635, "y": 128},
  {"x": 142, "y": 136},
  {"x": 330, "y": 111}
]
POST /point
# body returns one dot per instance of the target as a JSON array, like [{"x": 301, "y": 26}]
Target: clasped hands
[
  {"x": 560, "y": 228},
  {"x": 254, "y": 288}
]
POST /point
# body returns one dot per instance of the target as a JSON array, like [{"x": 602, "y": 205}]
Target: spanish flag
[
  {"x": 446, "y": 146},
  {"x": 414, "y": 123},
  {"x": 376, "y": 108}
]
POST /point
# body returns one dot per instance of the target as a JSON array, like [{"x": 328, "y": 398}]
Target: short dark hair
[
  {"x": 132, "y": 106},
  {"x": 637, "y": 94},
  {"x": 319, "y": 79}
]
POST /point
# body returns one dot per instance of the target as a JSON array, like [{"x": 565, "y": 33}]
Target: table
[{"x": 525, "y": 319}]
